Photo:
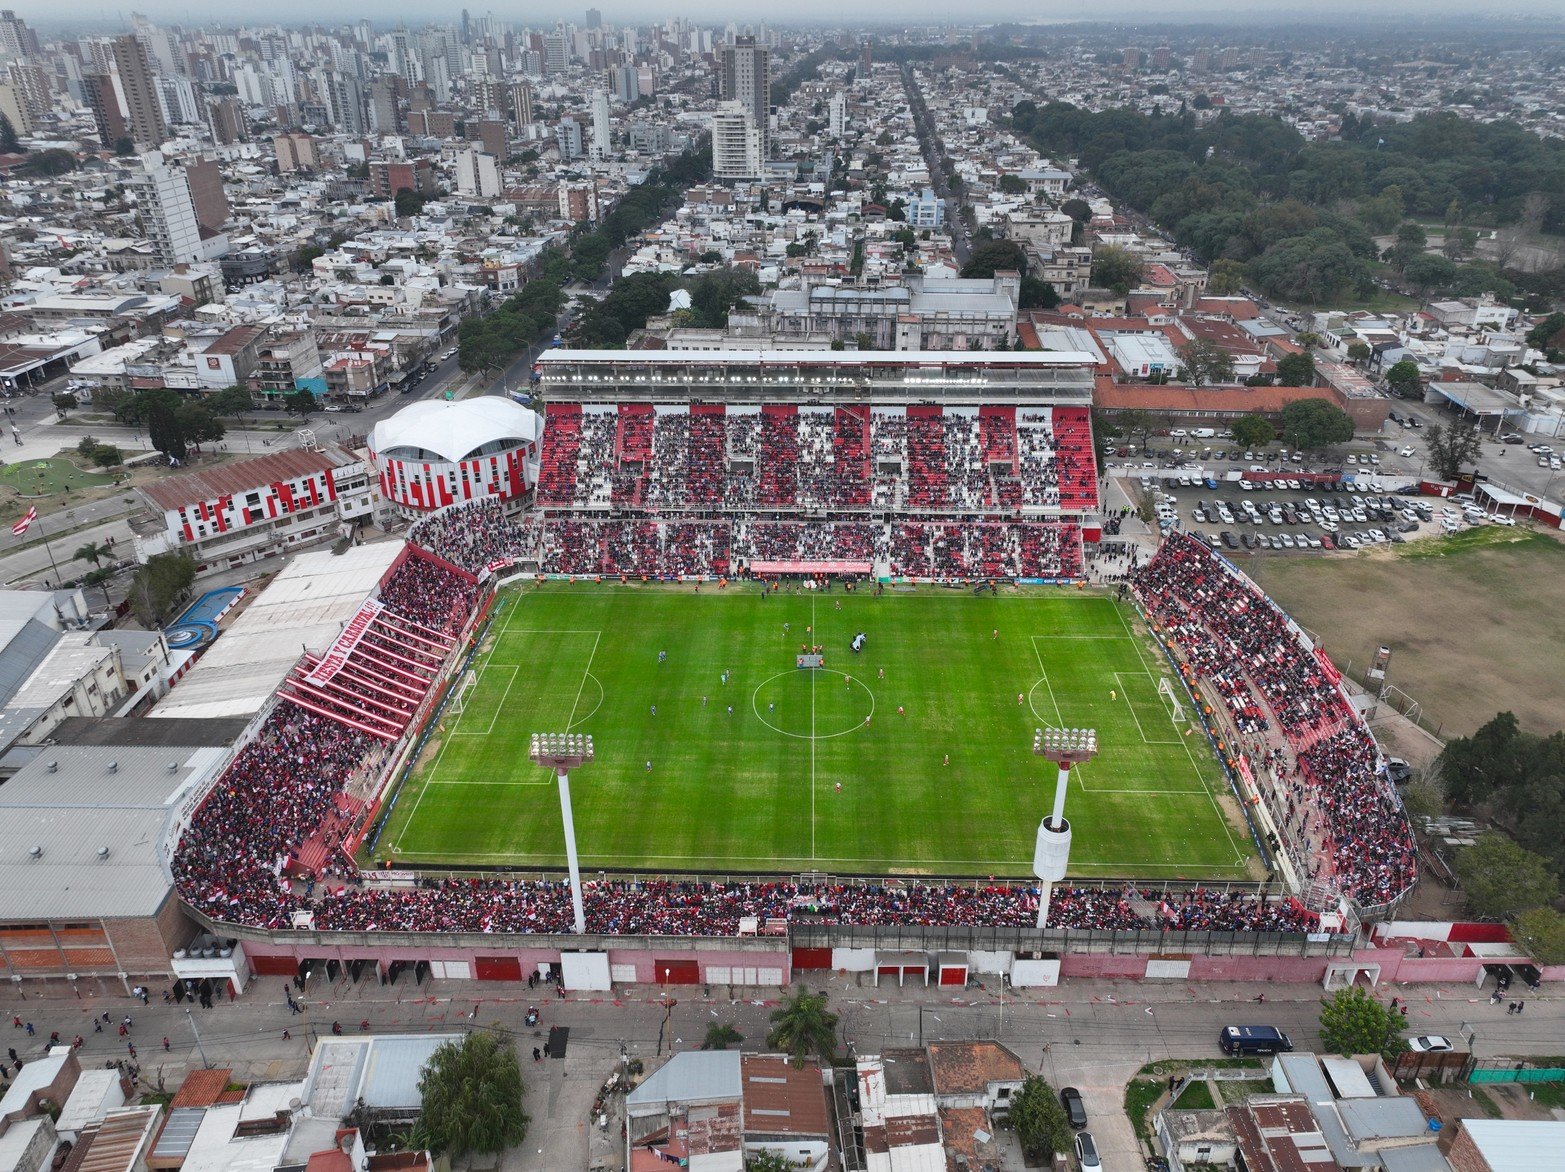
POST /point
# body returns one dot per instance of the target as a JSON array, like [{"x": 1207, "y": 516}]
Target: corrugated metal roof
[
  {"x": 97, "y": 833},
  {"x": 694, "y": 1076},
  {"x": 1518, "y": 1145},
  {"x": 243, "y": 476},
  {"x": 23, "y": 652},
  {"x": 179, "y": 1132}
]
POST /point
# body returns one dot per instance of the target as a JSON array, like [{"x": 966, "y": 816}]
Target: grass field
[
  {"x": 1475, "y": 622},
  {"x": 757, "y": 789},
  {"x": 43, "y": 477}
]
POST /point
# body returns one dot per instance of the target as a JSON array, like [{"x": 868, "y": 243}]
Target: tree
[
  {"x": 1203, "y": 361},
  {"x": 1297, "y": 370},
  {"x": 1546, "y": 334},
  {"x": 1460, "y": 243},
  {"x": 1403, "y": 379},
  {"x": 234, "y": 400},
  {"x": 720, "y": 1035},
  {"x": 301, "y": 403},
  {"x": 994, "y": 256},
  {"x": 1451, "y": 446},
  {"x": 1359, "y": 350},
  {"x": 407, "y": 202},
  {"x": 1308, "y": 424},
  {"x": 1541, "y": 932},
  {"x": 9, "y": 144},
  {"x": 157, "y": 585},
  {"x": 767, "y": 1160},
  {"x": 49, "y": 164},
  {"x": 1077, "y": 209},
  {"x": 107, "y": 456},
  {"x": 1500, "y": 878},
  {"x": 1253, "y": 431},
  {"x": 1411, "y": 242},
  {"x": 802, "y": 1027},
  {"x": 1138, "y": 422},
  {"x": 1038, "y": 294},
  {"x": 1012, "y": 185},
  {"x": 1353, "y": 1022},
  {"x": 65, "y": 401},
  {"x": 1427, "y": 271},
  {"x": 92, "y": 552},
  {"x": 1115, "y": 268},
  {"x": 471, "y": 1095},
  {"x": 163, "y": 428},
  {"x": 1226, "y": 277},
  {"x": 100, "y": 579},
  {"x": 198, "y": 426},
  {"x": 1040, "y": 1121}
]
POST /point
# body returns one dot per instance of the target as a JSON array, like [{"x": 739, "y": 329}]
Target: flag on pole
[{"x": 26, "y": 522}]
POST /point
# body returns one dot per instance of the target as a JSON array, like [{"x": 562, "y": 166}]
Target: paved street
[{"x": 1092, "y": 1035}]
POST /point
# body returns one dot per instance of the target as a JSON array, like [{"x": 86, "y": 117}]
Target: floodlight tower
[
  {"x": 563, "y": 752},
  {"x": 1065, "y": 747}
]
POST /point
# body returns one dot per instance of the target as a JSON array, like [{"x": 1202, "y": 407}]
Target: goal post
[
  {"x": 459, "y": 701},
  {"x": 1166, "y": 689}
]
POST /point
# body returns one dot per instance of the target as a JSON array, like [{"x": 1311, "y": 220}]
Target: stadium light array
[
  {"x": 1051, "y": 853},
  {"x": 563, "y": 752}
]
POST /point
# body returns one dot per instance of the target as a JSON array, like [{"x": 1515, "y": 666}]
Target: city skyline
[{"x": 93, "y": 14}]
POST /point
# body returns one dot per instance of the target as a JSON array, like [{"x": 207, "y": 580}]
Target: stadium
[{"x": 691, "y": 513}]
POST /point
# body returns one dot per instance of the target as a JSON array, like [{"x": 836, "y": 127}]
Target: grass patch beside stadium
[
  {"x": 757, "y": 790},
  {"x": 1474, "y": 621}
]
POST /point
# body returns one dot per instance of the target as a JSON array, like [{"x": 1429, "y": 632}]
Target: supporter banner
[
  {"x": 352, "y": 634},
  {"x": 810, "y": 567}
]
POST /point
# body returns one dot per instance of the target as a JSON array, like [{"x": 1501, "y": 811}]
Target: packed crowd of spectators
[
  {"x": 429, "y": 594},
  {"x": 712, "y": 458},
  {"x": 473, "y": 536},
  {"x": 1231, "y": 634}
]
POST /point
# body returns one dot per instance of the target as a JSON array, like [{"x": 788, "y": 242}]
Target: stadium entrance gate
[{"x": 678, "y": 972}]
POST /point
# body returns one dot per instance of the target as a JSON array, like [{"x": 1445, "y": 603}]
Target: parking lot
[{"x": 1280, "y": 506}]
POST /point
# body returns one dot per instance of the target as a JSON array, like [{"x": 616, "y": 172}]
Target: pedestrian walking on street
[
  {"x": 131, "y": 1046},
  {"x": 165, "y": 1045}
]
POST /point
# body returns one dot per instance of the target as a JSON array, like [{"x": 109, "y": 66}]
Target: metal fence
[{"x": 1514, "y": 1072}]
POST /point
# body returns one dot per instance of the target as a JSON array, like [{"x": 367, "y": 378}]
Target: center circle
[{"x": 813, "y": 704}]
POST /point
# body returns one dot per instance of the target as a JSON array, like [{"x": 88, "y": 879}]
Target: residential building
[
  {"x": 478, "y": 174},
  {"x": 17, "y": 41},
  {"x": 227, "y": 119},
  {"x": 289, "y": 362},
  {"x": 253, "y": 509},
  {"x": 602, "y": 137},
  {"x": 205, "y": 179},
  {"x": 522, "y": 103},
  {"x": 627, "y": 83},
  {"x": 839, "y": 114},
  {"x": 168, "y": 213},
  {"x": 743, "y": 76},
  {"x": 926, "y": 210},
  {"x": 344, "y": 102},
  {"x": 556, "y": 53},
  {"x": 13, "y": 106},
  {"x": 579, "y": 202},
  {"x": 138, "y": 89},
  {"x": 738, "y": 146},
  {"x": 295, "y": 152},
  {"x": 389, "y": 176},
  {"x": 103, "y": 99},
  {"x": 568, "y": 136},
  {"x": 921, "y": 313}
]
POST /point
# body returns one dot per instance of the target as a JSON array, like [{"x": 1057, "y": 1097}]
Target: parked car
[
  {"x": 1075, "y": 1109},
  {"x": 1087, "y": 1153},
  {"x": 1430, "y": 1044}
]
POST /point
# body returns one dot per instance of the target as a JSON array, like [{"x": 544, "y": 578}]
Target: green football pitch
[{"x": 727, "y": 758}]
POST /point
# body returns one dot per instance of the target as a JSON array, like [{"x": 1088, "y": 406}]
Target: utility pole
[{"x": 200, "y": 1049}]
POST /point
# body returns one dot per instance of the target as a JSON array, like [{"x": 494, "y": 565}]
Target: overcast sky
[{"x": 113, "y": 16}]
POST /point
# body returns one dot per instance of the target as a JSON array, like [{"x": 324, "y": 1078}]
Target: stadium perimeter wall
[{"x": 775, "y": 962}]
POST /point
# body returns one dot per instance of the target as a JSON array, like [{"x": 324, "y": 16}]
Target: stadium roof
[
  {"x": 434, "y": 429},
  {"x": 305, "y": 606}
]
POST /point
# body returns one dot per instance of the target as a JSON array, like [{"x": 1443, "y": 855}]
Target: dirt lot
[{"x": 1475, "y": 623}]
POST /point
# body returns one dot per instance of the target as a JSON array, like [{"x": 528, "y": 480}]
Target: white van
[{"x": 1203, "y": 433}]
